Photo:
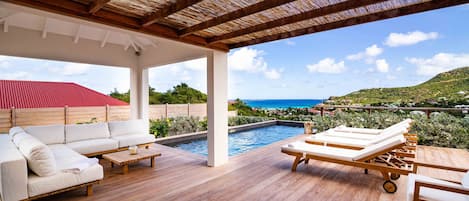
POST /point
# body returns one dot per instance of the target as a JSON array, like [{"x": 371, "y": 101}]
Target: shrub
[
  {"x": 240, "y": 120},
  {"x": 441, "y": 129},
  {"x": 180, "y": 125}
]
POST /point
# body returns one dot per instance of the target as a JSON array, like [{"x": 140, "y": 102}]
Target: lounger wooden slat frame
[{"x": 368, "y": 162}]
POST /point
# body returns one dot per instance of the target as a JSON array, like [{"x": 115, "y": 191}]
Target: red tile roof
[{"x": 32, "y": 94}]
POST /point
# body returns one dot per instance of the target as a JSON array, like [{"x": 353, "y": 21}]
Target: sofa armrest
[
  {"x": 419, "y": 184},
  {"x": 13, "y": 172}
]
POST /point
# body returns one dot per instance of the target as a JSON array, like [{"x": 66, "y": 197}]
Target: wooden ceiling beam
[
  {"x": 406, "y": 10},
  {"x": 79, "y": 10},
  {"x": 96, "y": 5},
  {"x": 168, "y": 10},
  {"x": 249, "y": 10},
  {"x": 327, "y": 10}
]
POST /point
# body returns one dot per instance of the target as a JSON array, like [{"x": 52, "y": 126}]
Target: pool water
[{"x": 241, "y": 142}]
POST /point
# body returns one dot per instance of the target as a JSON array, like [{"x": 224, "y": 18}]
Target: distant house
[{"x": 34, "y": 94}]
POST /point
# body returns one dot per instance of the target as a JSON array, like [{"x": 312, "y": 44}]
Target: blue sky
[{"x": 396, "y": 52}]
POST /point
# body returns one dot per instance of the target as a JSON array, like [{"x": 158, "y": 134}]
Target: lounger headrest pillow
[
  {"x": 405, "y": 124},
  {"x": 389, "y": 134}
]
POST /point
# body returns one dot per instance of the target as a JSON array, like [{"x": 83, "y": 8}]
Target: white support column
[
  {"x": 139, "y": 92},
  {"x": 217, "y": 108}
]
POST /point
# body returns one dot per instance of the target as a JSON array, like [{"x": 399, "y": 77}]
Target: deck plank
[{"x": 260, "y": 174}]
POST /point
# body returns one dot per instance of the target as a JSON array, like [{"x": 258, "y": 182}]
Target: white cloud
[
  {"x": 440, "y": 62},
  {"x": 373, "y": 51},
  {"x": 247, "y": 59},
  {"x": 369, "y": 54},
  {"x": 399, "y": 69},
  {"x": 186, "y": 76},
  {"x": 391, "y": 77},
  {"x": 409, "y": 38},
  {"x": 327, "y": 65},
  {"x": 5, "y": 62},
  {"x": 250, "y": 60},
  {"x": 382, "y": 65},
  {"x": 272, "y": 74},
  {"x": 196, "y": 64},
  {"x": 21, "y": 75},
  {"x": 290, "y": 42},
  {"x": 71, "y": 69}
]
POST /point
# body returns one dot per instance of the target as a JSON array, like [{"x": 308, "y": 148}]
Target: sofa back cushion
[
  {"x": 79, "y": 132},
  {"x": 40, "y": 158},
  {"x": 130, "y": 127},
  {"x": 52, "y": 134}
]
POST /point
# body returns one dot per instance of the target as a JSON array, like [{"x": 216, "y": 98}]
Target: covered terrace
[{"x": 148, "y": 33}]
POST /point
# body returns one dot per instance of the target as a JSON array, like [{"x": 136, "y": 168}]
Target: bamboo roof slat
[{"x": 226, "y": 24}]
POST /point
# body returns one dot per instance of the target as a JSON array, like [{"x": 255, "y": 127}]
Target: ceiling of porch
[{"x": 226, "y": 24}]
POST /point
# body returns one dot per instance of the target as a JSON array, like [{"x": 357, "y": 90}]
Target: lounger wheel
[
  {"x": 389, "y": 186},
  {"x": 395, "y": 176},
  {"x": 366, "y": 171}
]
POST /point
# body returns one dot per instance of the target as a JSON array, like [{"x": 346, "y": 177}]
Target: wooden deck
[{"x": 261, "y": 174}]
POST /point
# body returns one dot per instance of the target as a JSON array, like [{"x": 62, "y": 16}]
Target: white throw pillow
[
  {"x": 79, "y": 132},
  {"x": 15, "y": 130},
  {"x": 465, "y": 180},
  {"x": 40, "y": 158},
  {"x": 130, "y": 127},
  {"x": 52, "y": 134}
]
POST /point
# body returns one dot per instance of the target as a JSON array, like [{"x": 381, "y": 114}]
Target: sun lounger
[
  {"x": 375, "y": 157},
  {"x": 421, "y": 187},
  {"x": 351, "y": 142},
  {"x": 341, "y": 130}
]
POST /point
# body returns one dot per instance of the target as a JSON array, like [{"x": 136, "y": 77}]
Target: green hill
[{"x": 443, "y": 90}]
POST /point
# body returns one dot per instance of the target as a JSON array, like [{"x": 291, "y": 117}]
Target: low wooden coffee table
[{"x": 124, "y": 158}]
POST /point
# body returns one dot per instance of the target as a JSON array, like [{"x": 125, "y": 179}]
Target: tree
[{"x": 179, "y": 94}]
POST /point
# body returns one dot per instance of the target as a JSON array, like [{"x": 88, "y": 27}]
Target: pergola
[{"x": 140, "y": 34}]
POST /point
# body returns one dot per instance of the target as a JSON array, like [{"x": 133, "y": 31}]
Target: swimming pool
[{"x": 243, "y": 141}]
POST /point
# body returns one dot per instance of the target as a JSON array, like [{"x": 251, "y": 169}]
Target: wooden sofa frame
[
  {"x": 89, "y": 190},
  {"x": 390, "y": 165}
]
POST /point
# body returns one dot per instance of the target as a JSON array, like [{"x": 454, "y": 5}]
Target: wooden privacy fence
[{"x": 72, "y": 115}]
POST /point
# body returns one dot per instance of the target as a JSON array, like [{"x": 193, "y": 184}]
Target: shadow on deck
[{"x": 260, "y": 174}]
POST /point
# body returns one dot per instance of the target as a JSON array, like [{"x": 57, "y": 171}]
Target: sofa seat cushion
[
  {"x": 93, "y": 146},
  {"x": 64, "y": 155},
  {"x": 40, "y": 185},
  {"x": 130, "y": 127},
  {"x": 53, "y": 134},
  {"x": 431, "y": 194},
  {"x": 129, "y": 140},
  {"x": 79, "y": 132},
  {"x": 39, "y": 156}
]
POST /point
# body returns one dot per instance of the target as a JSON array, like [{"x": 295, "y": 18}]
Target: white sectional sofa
[{"x": 34, "y": 160}]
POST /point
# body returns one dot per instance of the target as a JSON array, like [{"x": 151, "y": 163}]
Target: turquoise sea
[{"x": 283, "y": 103}]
